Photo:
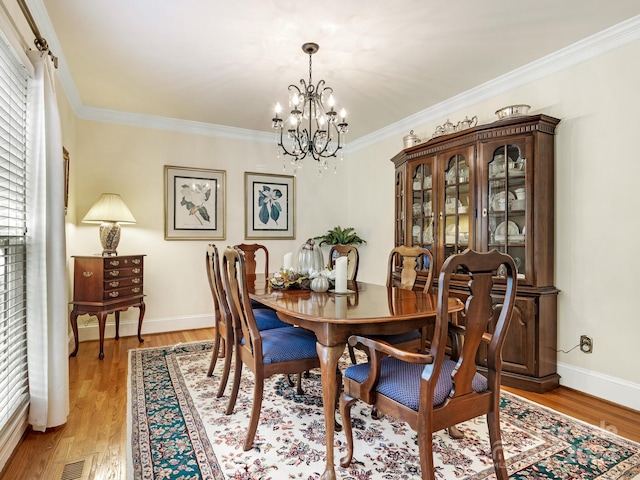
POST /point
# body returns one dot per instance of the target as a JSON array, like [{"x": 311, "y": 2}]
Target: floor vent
[{"x": 73, "y": 471}]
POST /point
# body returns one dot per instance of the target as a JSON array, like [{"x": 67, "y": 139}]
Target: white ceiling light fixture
[{"x": 314, "y": 127}]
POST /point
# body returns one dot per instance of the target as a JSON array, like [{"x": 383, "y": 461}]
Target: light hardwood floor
[{"x": 94, "y": 438}]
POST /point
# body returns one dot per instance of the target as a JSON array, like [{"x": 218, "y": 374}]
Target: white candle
[
  {"x": 341, "y": 274},
  {"x": 286, "y": 263}
]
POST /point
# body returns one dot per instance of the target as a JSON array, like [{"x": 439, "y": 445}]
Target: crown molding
[
  {"x": 590, "y": 47},
  {"x": 172, "y": 124},
  {"x": 621, "y": 34}
]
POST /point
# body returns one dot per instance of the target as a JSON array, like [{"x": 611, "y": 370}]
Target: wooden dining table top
[{"x": 366, "y": 303}]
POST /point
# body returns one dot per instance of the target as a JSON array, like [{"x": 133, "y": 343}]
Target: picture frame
[
  {"x": 269, "y": 206},
  {"x": 65, "y": 160},
  {"x": 194, "y": 203}
]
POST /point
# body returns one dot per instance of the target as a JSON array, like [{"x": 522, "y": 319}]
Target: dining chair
[
  {"x": 252, "y": 252},
  {"x": 223, "y": 340},
  {"x": 403, "y": 266},
  {"x": 353, "y": 259},
  {"x": 287, "y": 350},
  {"x": 255, "y": 253},
  {"x": 266, "y": 318},
  {"x": 432, "y": 391}
]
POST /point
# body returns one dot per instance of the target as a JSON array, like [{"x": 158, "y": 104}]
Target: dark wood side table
[{"x": 104, "y": 285}]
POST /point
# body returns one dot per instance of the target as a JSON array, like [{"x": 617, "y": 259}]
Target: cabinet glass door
[
  {"x": 507, "y": 202},
  {"x": 422, "y": 207},
  {"x": 457, "y": 225}
]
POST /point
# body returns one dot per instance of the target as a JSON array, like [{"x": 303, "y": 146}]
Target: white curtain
[{"x": 47, "y": 296}]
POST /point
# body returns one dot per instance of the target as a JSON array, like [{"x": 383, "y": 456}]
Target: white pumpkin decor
[{"x": 320, "y": 284}]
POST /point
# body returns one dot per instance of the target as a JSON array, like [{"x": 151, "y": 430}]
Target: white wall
[
  {"x": 130, "y": 161},
  {"x": 597, "y": 221}
]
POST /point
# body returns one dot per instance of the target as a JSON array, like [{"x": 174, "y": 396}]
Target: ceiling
[{"x": 228, "y": 63}]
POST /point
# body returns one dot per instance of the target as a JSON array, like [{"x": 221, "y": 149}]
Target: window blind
[{"x": 13, "y": 322}]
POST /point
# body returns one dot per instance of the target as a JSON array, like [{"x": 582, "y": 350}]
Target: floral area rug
[{"x": 177, "y": 430}]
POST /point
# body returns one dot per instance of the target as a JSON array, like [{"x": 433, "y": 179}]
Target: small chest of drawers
[{"x": 103, "y": 285}]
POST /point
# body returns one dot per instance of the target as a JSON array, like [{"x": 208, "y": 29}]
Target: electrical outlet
[{"x": 586, "y": 344}]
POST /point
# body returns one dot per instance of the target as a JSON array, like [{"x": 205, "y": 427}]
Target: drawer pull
[
  {"x": 114, "y": 273},
  {"x": 114, "y": 263},
  {"x": 136, "y": 261},
  {"x": 136, "y": 290},
  {"x": 114, "y": 284},
  {"x": 87, "y": 274},
  {"x": 136, "y": 270},
  {"x": 136, "y": 280},
  {"x": 114, "y": 294}
]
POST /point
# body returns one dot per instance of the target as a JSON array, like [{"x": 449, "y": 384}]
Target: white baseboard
[
  {"x": 599, "y": 385},
  {"x": 154, "y": 325}
]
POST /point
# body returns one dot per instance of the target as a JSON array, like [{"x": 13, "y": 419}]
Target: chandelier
[{"x": 313, "y": 127}]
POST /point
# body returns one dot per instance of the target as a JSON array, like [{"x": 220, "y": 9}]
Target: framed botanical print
[
  {"x": 269, "y": 206},
  {"x": 194, "y": 201}
]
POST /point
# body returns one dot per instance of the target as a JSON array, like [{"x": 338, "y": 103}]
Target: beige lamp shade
[{"x": 109, "y": 211}]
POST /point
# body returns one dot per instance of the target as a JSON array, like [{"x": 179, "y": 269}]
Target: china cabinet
[{"x": 485, "y": 187}]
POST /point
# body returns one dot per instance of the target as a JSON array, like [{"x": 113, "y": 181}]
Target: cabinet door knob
[
  {"x": 87, "y": 274},
  {"x": 484, "y": 212}
]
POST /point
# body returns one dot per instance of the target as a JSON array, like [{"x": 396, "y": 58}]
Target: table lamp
[{"x": 109, "y": 211}]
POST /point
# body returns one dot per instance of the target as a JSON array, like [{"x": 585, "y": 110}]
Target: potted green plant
[{"x": 340, "y": 236}]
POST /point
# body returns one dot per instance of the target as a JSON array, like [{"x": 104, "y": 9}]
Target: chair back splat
[
  {"x": 250, "y": 251},
  {"x": 404, "y": 265},
  {"x": 436, "y": 390}
]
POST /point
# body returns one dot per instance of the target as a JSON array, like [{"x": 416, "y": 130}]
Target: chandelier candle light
[{"x": 312, "y": 128}]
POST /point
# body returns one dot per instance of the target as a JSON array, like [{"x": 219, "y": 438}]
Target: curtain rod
[{"x": 40, "y": 42}]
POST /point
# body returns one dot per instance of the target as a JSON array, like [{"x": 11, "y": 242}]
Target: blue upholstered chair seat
[
  {"x": 400, "y": 381},
  {"x": 287, "y": 344},
  {"x": 400, "y": 337},
  {"x": 255, "y": 305},
  {"x": 266, "y": 319}
]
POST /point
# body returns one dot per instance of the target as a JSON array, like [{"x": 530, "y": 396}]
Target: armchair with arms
[{"x": 434, "y": 391}]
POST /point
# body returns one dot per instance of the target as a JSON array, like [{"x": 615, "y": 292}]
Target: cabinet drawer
[
  {"x": 122, "y": 292},
  {"x": 116, "y": 283},
  {"x": 123, "y": 273},
  {"x": 122, "y": 262}
]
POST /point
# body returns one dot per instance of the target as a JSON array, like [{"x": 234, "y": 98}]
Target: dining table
[{"x": 365, "y": 309}]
